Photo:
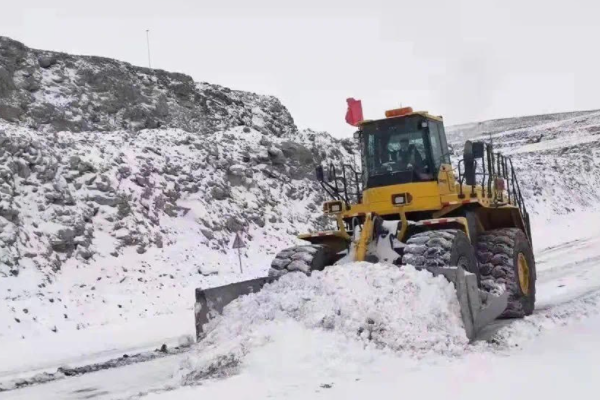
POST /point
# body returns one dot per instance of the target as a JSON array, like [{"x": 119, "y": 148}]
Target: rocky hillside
[
  {"x": 121, "y": 188},
  {"x": 557, "y": 157},
  {"x": 52, "y": 92}
]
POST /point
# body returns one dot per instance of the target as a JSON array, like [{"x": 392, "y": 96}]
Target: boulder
[
  {"x": 220, "y": 193},
  {"x": 10, "y": 113},
  {"x": 47, "y": 61},
  {"x": 235, "y": 224},
  {"x": 276, "y": 155},
  {"x": 63, "y": 240}
]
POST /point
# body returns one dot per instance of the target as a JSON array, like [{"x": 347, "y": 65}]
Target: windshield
[{"x": 395, "y": 151}]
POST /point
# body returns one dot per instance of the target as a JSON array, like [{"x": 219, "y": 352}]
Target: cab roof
[{"x": 424, "y": 114}]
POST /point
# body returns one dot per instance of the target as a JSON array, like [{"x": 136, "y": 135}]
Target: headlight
[
  {"x": 401, "y": 199},
  {"x": 334, "y": 207}
]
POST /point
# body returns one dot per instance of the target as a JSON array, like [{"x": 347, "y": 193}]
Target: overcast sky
[{"x": 465, "y": 60}]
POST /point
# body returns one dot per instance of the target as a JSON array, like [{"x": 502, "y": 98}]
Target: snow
[
  {"x": 354, "y": 331},
  {"x": 551, "y": 368},
  {"x": 45, "y": 353},
  {"x": 296, "y": 357},
  {"x": 559, "y": 342},
  {"x": 377, "y": 305},
  {"x": 307, "y": 364},
  {"x": 127, "y": 275}
]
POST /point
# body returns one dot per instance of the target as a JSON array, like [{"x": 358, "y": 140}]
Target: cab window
[{"x": 436, "y": 145}]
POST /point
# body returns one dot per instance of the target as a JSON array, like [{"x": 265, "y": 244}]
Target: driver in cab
[{"x": 408, "y": 156}]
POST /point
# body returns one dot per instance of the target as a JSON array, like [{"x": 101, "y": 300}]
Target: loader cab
[{"x": 406, "y": 147}]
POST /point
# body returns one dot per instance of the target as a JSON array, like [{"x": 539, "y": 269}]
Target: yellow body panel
[
  {"x": 366, "y": 235},
  {"x": 425, "y": 196}
]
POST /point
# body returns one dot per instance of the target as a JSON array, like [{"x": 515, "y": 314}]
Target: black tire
[
  {"x": 498, "y": 252},
  {"x": 441, "y": 248},
  {"x": 308, "y": 258}
]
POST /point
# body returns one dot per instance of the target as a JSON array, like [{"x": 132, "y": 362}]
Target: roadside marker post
[{"x": 238, "y": 244}]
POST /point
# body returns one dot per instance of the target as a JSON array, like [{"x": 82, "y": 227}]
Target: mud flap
[
  {"x": 210, "y": 302},
  {"x": 478, "y": 308}
]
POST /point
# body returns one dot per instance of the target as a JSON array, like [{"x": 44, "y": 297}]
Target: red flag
[{"x": 354, "y": 115}]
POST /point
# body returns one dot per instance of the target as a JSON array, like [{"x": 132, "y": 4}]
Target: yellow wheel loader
[{"x": 409, "y": 205}]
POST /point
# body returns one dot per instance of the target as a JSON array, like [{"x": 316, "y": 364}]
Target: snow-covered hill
[
  {"x": 103, "y": 219},
  {"x": 557, "y": 157}
]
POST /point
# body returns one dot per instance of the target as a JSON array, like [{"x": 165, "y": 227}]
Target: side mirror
[
  {"x": 320, "y": 174},
  {"x": 331, "y": 173},
  {"x": 357, "y": 135},
  {"x": 469, "y": 160},
  {"x": 478, "y": 149}
]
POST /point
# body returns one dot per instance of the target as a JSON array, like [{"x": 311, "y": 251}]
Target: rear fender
[
  {"x": 441, "y": 223},
  {"x": 503, "y": 217}
]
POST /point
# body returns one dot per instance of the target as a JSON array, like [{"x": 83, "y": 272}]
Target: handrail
[
  {"x": 338, "y": 188},
  {"x": 499, "y": 166}
]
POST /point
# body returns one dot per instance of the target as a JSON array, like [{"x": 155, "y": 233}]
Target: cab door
[{"x": 440, "y": 157}]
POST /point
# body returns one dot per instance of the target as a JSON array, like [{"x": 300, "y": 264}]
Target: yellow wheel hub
[{"x": 523, "y": 274}]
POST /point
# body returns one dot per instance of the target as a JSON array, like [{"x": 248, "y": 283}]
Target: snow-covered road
[
  {"x": 561, "y": 364},
  {"x": 565, "y": 353}
]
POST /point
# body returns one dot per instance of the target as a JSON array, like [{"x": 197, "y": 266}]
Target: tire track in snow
[
  {"x": 567, "y": 273},
  {"x": 568, "y": 289},
  {"x": 515, "y": 333}
]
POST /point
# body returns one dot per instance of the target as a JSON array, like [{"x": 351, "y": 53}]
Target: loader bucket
[
  {"x": 478, "y": 308},
  {"x": 210, "y": 302}
]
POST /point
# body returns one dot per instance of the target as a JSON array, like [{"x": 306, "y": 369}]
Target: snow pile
[{"x": 379, "y": 305}]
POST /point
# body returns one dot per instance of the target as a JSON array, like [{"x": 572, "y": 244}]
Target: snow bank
[{"x": 377, "y": 305}]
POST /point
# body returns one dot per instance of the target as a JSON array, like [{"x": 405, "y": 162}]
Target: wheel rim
[{"x": 523, "y": 268}]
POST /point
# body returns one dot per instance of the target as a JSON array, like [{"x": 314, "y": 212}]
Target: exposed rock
[
  {"x": 276, "y": 155},
  {"x": 46, "y": 61},
  {"x": 10, "y": 113},
  {"x": 207, "y": 233},
  {"x": 104, "y": 200},
  {"x": 220, "y": 193},
  {"x": 235, "y": 224},
  {"x": 63, "y": 241}
]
